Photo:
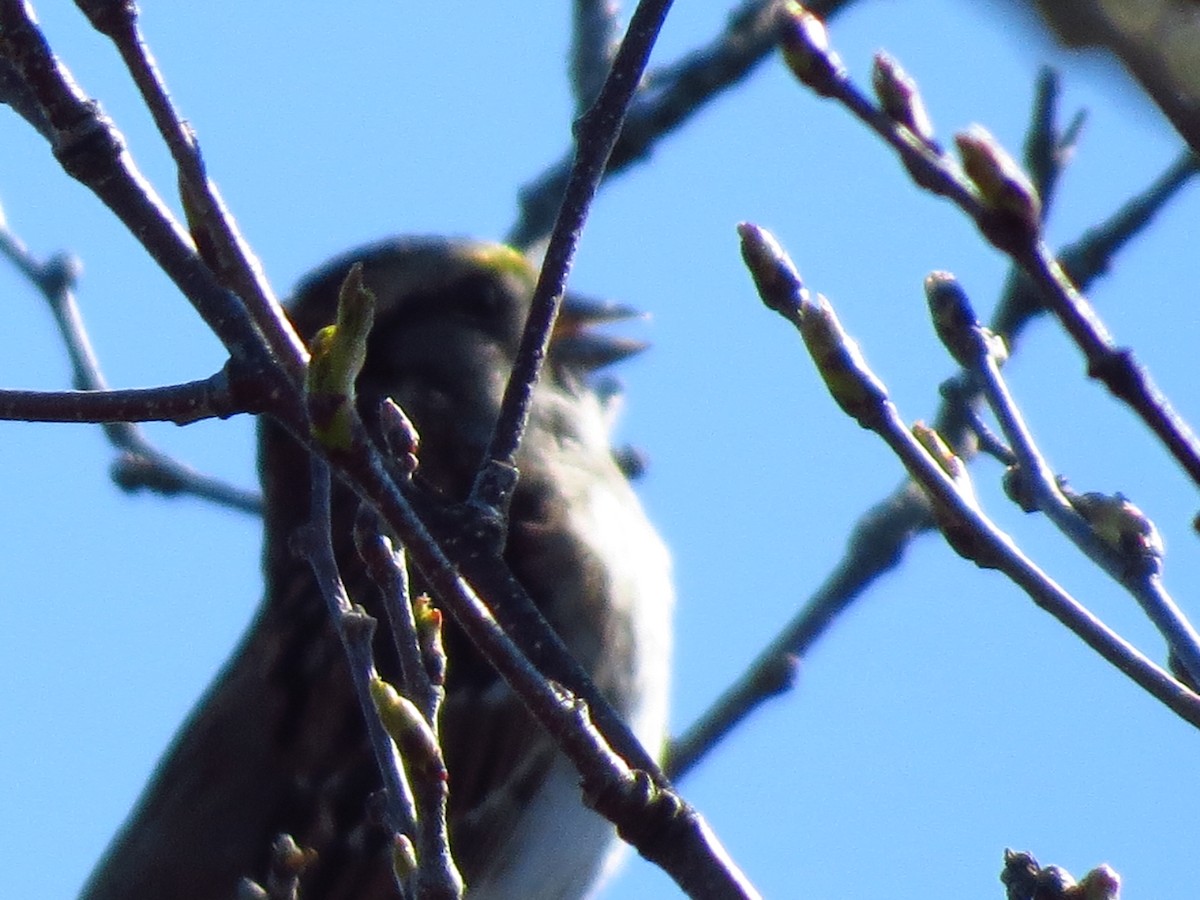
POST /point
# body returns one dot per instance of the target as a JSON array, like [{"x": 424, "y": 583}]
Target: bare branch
[
  {"x": 155, "y": 471},
  {"x": 213, "y": 227},
  {"x": 1008, "y": 216},
  {"x": 881, "y": 535},
  {"x": 181, "y": 404},
  {"x": 140, "y": 464},
  {"x": 596, "y": 134},
  {"x": 356, "y": 629},
  {"x": 1107, "y": 540},
  {"x": 91, "y": 150},
  {"x": 389, "y": 571},
  {"x": 666, "y": 99},
  {"x": 863, "y": 396},
  {"x": 777, "y": 677}
]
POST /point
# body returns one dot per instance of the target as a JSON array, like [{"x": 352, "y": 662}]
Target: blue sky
[{"x": 944, "y": 719}]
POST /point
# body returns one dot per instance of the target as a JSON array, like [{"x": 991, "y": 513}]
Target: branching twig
[
  {"x": 213, "y": 227},
  {"x": 355, "y": 628},
  {"x": 667, "y": 98},
  {"x": 434, "y": 874},
  {"x": 140, "y": 464},
  {"x": 882, "y": 534},
  {"x": 423, "y": 672},
  {"x": 863, "y": 396},
  {"x": 648, "y": 813},
  {"x": 91, "y": 150},
  {"x": 1109, "y": 531},
  {"x": 388, "y": 569},
  {"x": 1007, "y": 213},
  {"x": 1047, "y": 150}
]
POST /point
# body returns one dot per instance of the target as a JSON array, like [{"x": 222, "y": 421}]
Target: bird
[{"x": 277, "y": 744}]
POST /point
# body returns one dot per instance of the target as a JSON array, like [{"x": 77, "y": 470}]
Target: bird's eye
[{"x": 479, "y": 296}]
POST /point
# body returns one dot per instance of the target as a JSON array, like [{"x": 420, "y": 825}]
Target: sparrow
[{"x": 277, "y": 744}]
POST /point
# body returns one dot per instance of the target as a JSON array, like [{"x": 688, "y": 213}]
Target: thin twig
[
  {"x": 876, "y": 544},
  {"x": 1013, "y": 231},
  {"x": 667, "y": 99},
  {"x": 1091, "y": 255},
  {"x": 181, "y": 404},
  {"x": 1116, "y": 367},
  {"x": 596, "y": 133},
  {"x": 1046, "y": 149},
  {"x": 91, "y": 150},
  {"x": 388, "y": 569},
  {"x": 1136, "y": 565},
  {"x": 721, "y": 716},
  {"x": 355, "y": 628},
  {"x": 140, "y": 464},
  {"x": 971, "y": 533},
  {"x": 433, "y": 872},
  {"x": 883, "y": 533},
  {"x": 220, "y": 241}
]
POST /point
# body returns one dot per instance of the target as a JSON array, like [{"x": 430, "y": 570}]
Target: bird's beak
[{"x": 575, "y": 342}]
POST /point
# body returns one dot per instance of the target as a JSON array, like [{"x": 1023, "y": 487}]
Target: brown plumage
[{"x": 277, "y": 743}]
